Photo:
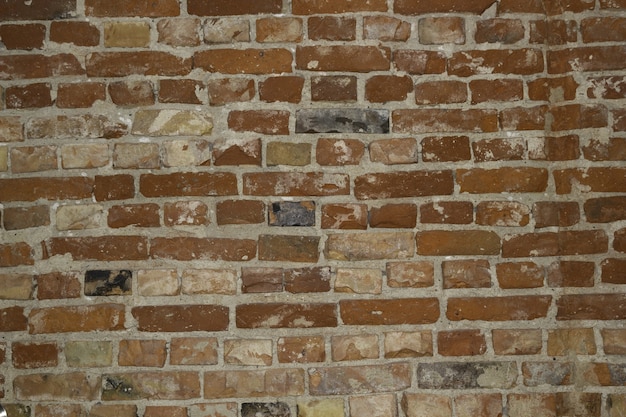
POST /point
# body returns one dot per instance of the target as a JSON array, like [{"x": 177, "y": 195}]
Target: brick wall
[{"x": 313, "y": 208}]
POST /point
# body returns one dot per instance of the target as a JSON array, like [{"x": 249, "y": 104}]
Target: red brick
[
  {"x": 612, "y": 150},
  {"x": 337, "y": 6},
  {"x": 386, "y": 29},
  {"x": 180, "y": 91},
  {"x": 186, "y": 213},
  {"x": 266, "y": 122},
  {"x": 498, "y": 308},
  {"x": 499, "y": 30},
  {"x": 613, "y": 271},
  {"x": 418, "y": 7},
  {"x": 48, "y": 10},
  {"x": 619, "y": 120},
  {"x": 496, "y": 61},
  {"x": 466, "y": 273},
  {"x": 226, "y": 7},
  {"x": 35, "y": 355},
  {"x": 331, "y": 28},
  {"x": 605, "y": 209},
  {"x": 78, "y": 33},
  {"x": 138, "y": 215},
  {"x": 303, "y": 280},
  {"x": 496, "y": 90},
  {"x": 122, "y": 64},
  {"x": 339, "y": 152},
  {"x": 552, "y": 89},
  {"x": 181, "y": 318},
  {"x": 32, "y": 189},
  {"x": 344, "y": 216},
  {"x": 556, "y": 7},
  {"x": 278, "y": 29},
  {"x": 27, "y": 36},
  {"x": 576, "y": 116},
  {"x": 389, "y": 312},
  {"x": 261, "y": 280},
  {"x": 188, "y": 184},
  {"x": 80, "y": 95},
  {"x": 58, "y": 285},
  {"x": 288, "y": 248},
  {"x": 402, "y": 216},
  {"x": 28, "y": 96},
  {"x": 524, "y": 118},
  {"x": 13, "y": 319},
  {"x": 403, "y": 184},
  {"x": 461, "y": 343},
  {"x": 553, "y": 244},
  {"x": 446, "y": 149},
  {"x": 440, "y": 92},
  {"x": 593, "y": 179},
  {"x": 307, "y": 349},
  {"x": 230, "y": 90},
  {"x": 516, "y": 342},
  {"x": 105, "y": 248},
  {"x": 447, "y": 212},
  {"x": 562, "y": 148},
  {"x": 612, "y": 4},
  {"x": 499, "y": 180},
  {"x": 132, "y": 93},
  {"x": 562, "y": 214},
  {"x": 114, "y": 187},
  {"x": 591, "y": 307},
  {"x": 240, "y": 212},
  {"x": 39, "y": 66},
  {"x": 513, "y": 6},
  {"x": 512, "y": 149},
  {"x": 281, "y": 315},
  {"x": 119, "y": 8},
  {"x": 457, "y": 242},
  {"x": 619, "y": 241},
  {"x": 244, "y": 61},
  {"x": 419, "y": 62},
  {"x": 444, "y": 120},
  {"x": 502, "y": 213},
  {"x": 607, "y": 88},
  {"x": 191, "y": 248},
  {"x": 384, "y": 88},
  {"x": 283, "y": 88},
  {"x": 553, "y": 31},
  {"x": 295, "y": 184},
  {"x": 589, "y": 58},
  {"x": 343, "y": 58},
  {"x": 613, "y": 340},
  {"x": 334, "y": 88},
  {"x": 519, "y": 275},
  {"x": 69, "y": 319},
  {"x": 15, "y": 254},
  {"x": 571, "y": 274}
]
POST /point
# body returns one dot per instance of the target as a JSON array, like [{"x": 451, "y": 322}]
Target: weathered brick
[
  {"x": 286, "y": 153},
  {"x": 365, "y": 246},
  {"x": 419, "y": 62},
  {"x": 282, "y": 382},
  {"x": 107, "y": 282},
  {"x": 571, "y": 274},
  {"x": 33, "y": 159},
  {"x": 551, "y": 148},
  {"x": 359, "y": 379},
  {"x": 292, "y": 213},
  {"x": 344, "y": 216},
  {"x": 226, "y": 30},
  {"x": 466, "y": 273},
  {"x": 279, "y": 29},
  {"x": 113, "y": 187},
  {"x": 553, "y": 89},
  {"x": 547, "y": 373},
  {"x": 386, "y": 29},
  {"x": 75, "y": 386},
  {"x": 496, "y": 90},
  {"x": 190, "y": 248},
  {"x": 466, "y": 375},
  {"x": 410, "y": 274},
  {"x": 179, "y": 385},
  {"x": 577, "y": 341},
  {"x": 34, "y": 355},
  {"x": 122, "y": 64},
  {"x": 230, "y": 90},
  {"x": 58, "y": 285},
  {"x": 408, "y": 344},
  {"x": 193, "y": 351},
  {"x": 562, "y": 214},
  {"x": 520, "y": 275},
  {"x": 15, "y": 254},
  {"x": 448, "y": 6},
  {"x": 381, "y": 405},
  {"x": 11, "y": 129},
  {"x": 394, "y": 151},
  {"x": 551, "y": 244},
  {"x": 181, "y": 91},
  {"x": 88, "y": 353},
  {"x": 440, "y": 92},
  {"x": 577, "y": 116},
  {"x": 536, "y": 404},
  {"x": 73, "y": 126},
  {"x": 266, "y": 122},
  {"x": 358, "y": 280},
  {"x": 149, "y": 353},
  {"x": 253, "y": 352},
  {"x": 496, "y": 61},
  {"x": 444, "y": 120},
  {"x": 499, "y": 30},
  {"x": 302, "y": 280},
  {"x": 499, "y": 180},
  {"x": 403, "y": 184},
  {"x": 50, "y": 10},
  {"x": 415, "y": 405},
  {"x": 244, "y": 61},
  {"x": 237, "y": 152},
  {"x": 516, "y": 342},
  {"x": 583, "y": 59},
  {"x": 86, "y": 318},
  {"x": 280, "y": 315},
  {"x": 261, "y": 279},
  {"x": 334, "y": 88},
  {"x": 80, "y": 95},
  {"x": 306, "y": 349},
  {"x": 225, "y": 7},
  {"x": 502, "y": 213},
  {"x": 188, "y": 184},
  {"x": 591, "y": 307},
  {"x": 342, "y": 121},
  {"x": 525, "y": 118},
  {"x": 159, "y": 8},
  {"x": 343, "y": 58},
  {"x": 226, "y": 409},
  {"x": 441, "y": 30},
  {"x": 498, "y": 308},
  {"x": 131, "y": 93},
  {"x": 185, "y": 213},
  {"x": 499, "y": 149},
  {"x": 331, "y": 28},
  {"x": 179, "y": 318},
  {"x": 446, "y": 149},
  {"x": 66, "y": 410},
  {"x": 351, "y": 348},
  {"x": 277, "y": 409},
  {"x": 28, "y": 96},
  {"x": 553, "y": 31},
  {"x": 457, "y": 242},
  {"x": 138, "y": 215},
  {"x": 288, "y": 248},
  {"x": 295, "y": 184},
  {"x": 240, "y": 212},
  {"x": 110, "y": 410},
  {"x": 16, "y": 286},
  {"x": 337, "y": 7},
  {"x": 104, "y": 248},
  {"x": 39, "y": 66},
  {"x": 76, "y": 32},
  {"x": 613, "y": 341},
  {"x": 389, "y": 312},
  {"x": 13, "y": 319},
  {"x": 394, "y": 216},
  {"x": 179, "y": 32},
  {"x": 461, "y": 343},
  {"x": 156, "y": 282}
]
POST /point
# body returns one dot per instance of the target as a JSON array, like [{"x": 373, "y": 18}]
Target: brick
[
  {"x": 446, "y": 149},
  {"x": 113, "y": 187},
  {"x": 447, "y": 212},
  {"x": 179, "y": 32},
  {"x": 612, "y": 271},
  {"x": 560, "y": 214},
  {"x": 501, "y": 61},
  {"x": 225, "y": 7},
  {"x": 138, "y": 215},
  {"x": 281, "y": 315},
  {"x": 39, "y": 66},
  {"x": 612, "y": 150},
  {"x": 448, "y": 6},
  {"x": 342, "y": 121},
  {"x": 338, "y": 152},
  {"x": 389, "y": 312},
  {"x": 469, "y": 405},
  {"x": 617, "y": 404},
  {"x": 106, "y": 410},
  {"x": 394, "y": 151},
  {"x": 540, "y": 405},
  {"x": 352, "y": 348},
  {"x": 34, "y": 355},
  {"x": 444, "y": 120},
  {"x": 237, "y": 152},
  {"x": 457, "y": 242},
  {"x": 33, "y": 159},
  {"x": 516, "y": 341},
  {"x": 512, "y": 6},
  {"x": 186, "y": 152},
  {"x": 441, "y": 30},
  {"x": 385, "y": 88},
  {"x": 407, "y": 274},
  {"x": 13, "y": 319},
  {"x": 560, "y": 7},
  {"x": 305, "y": 349},
  {"x": 230, "y": 90},
  {"x": 577, "y": 341},
  {"x": 188, "y": 184},
  {"x": 499, "y": 180},
  {"x": 326, "y": 407},
  {"x": 88, "y": 353},
  {"x": 16, "y": 287},
  {"x": 499, "y": 149},
  {"x": 25, "y": 36},
  {"x": 262, "y": 280},
  {"x": 75, "y": 386},
  {"x": 382, "y": 405},
  {"x": 240, "y": 212},
  {"x": 336, "y": 7},
  {"x": 172, "y": 123},
  {"x": 244, "y": 61},
  {"x": 561, "y": 148},
  {"x": 359, "y": 246},
  {"x": 252, "y": 352},
  {"x": 575, "y": 116},
  {"x": 358, "y": 281},
  {"x": 359, "y": 379},
  {"x": 179, "y": 318},
  {"x": 277, "y": 409},
  {"x": 157, "y": 282},
  {"x": 11, "y": 129},
  {"x": 50, "y": 10},
  {"x": 105, "y": 248},
  {"x": 334, "y": 88},
  {"x": 151, "y": 385},
  {"x": 496, "y": 90},
  {"x": 79, "y": 217},
  {"x": 519, "y": 275},
  {"x": 461, "y": 343},
  {"x": 594, "y": 179},
  {"x": 440, "y": 92},
  {"x": 499, "y": 30},
  {"x": 608, "y": 4},
  {"x": 550, "y": 244},
  {"x": 547, "y": 373},
  {"x": 58, "y": 285},
  {"x": 181, "y": 91},
  {"x": 331, "y": 28},
  {"x": 131, "y": 93},
  {"x": 4, "y": 158},
  {"x": 295, "y": 184},
  {"x": 619, "y": 120},
  {"x": 466, "y": 375},
  {"x": 193, "y": 351},
  {"x": 343, "y": 58},
  {"x": 571, "y": 274},
  {"x": 159, "y": 8},
  {"x": 226, "y": 30},
  {"x": 466, "y": 273},
  {"x": 571, "y": 403},
  {"x": 386, "y": 29},
  {"x": 302, "y": 280},
  {"x": 292, "y": 213},
  {"x": 226, "y": 409},
  {"x": 148, "y": 353},
  {"x": 108, "y": 282},
  {"x": 502, "y": 213},
  {"x": 126, "y": 34},
  {"x": 75, "y": 32},
  {"x": 605, "y": 58},
  {"x": 613, "y": 341},
  {"x": 285, "y": 153},
  {"x": 344, "y": 216},
  {"x": 73, "y": 126},
  {"x": 279, "y": 29},
  {"x": 192, "y": 248},
  {"x": 185, "y": 213},
  {"x": 288, "y": 248},
  {"x": 28, "y": 96},
  {"x": 408, "y": 344},
  {"x": 403, "y": 184},
  {"x": 415, "y": 405},
  {"x": 85, "y": 318},
  {"x": 266, "y": 122},
  {"x": 503, "y": 308},
  {"x": 590, "y": 307},
  {"x": 553, "y": 89},
  {"x": 67, "y": 410},
  {"x": 525, "y": 118},
  {"x": 281, "y": 88},
  {"x": 394, "y": 216},
  {"x": 80, "y": 95},
  {"x": 16, "y": 254},
  {"x": 419, "y": 62},
  {"x": 610, "y": 88},
  {"x": 259, "y": 383},
  {"x": 122, "y": 64},
  {"x": 553, "y": 31}
]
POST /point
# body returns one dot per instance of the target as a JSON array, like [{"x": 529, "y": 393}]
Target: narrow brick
[
  {"x": 237, "y": 152},
  {"x": 499, "y": 30},
  {"x": 281, "y": 315},
  {"x": 131, "y": 93},
  {"x": 466, "y": 273},
  {"x": 419, "y": 62},
  {"x": 148, "y": 353},
  {"x": 408, "y": 274},
  {"x": 334, "y": 88},
  {"x": 17, "y": 218},
  {"x": 394, "y": 216},
  {"x": 359, "y": 379},
  {"x": 113, "y": 187},
  {"x": 80, "y": 95},
  {"x": 226, "y": 30},
  {"x": 279, "y": 29},
  {"x": 447, "y": 212},
  {"x": 571, "y": 274},
  {"x": 261, "y": 280},
  {"x": 499, "y": 149},
  {"x": 613, "y": 271},
  {"x": 540, "y": 404},
  {"x": 58, "y": 285},
  {"x": 344, "y": 216},
  {"x": 86, "y": 318},
  {"x": 13, "y": 319},
  {"x": 157, "y": 282},
  {"x": 181, "y": 318},
  {"x": 29, "y": 96},
  {"x": 180, "y": 91},
  {"x": 576, "y": 341},
  {"x": 498, "y": 308},
  {"x": 281, "y": 88},
  {"x": 547, "y": 373},
  {"x": 285, "y": 153},
  {"x": 304, "y": 280},
  {"x": 446, "y": 149},
  {"x": 441, "y": 30},
  {"x": 547, "y": 213},
  {"x": 185, "y": 213},
  {"x": 386, "y": 29},
  {"x": 179, "y": 32},
  {"x": 385, "y": 88},
  {"x": 502, "y": 213}
]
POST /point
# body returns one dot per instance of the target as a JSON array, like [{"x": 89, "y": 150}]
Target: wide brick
[
  {"x": 185, "y": 213},
  {"x": 394, "y": 216},
  {"x": 354, "y": 348},
  {"x": 571, "y": 274},
  {"x": 461, "y": 343},
  {"x": 407, "y": 274},
  {"x": 73, "y": 126},
  {"x": 149, "y": 353},
  {"x": 179, "y": 32},
  {"x": 359, "y": 379},
  {"x": 34, "y": 355},
  {"x": 384, "y": 88},
  {"x": 408, "y": 344},
  {"x": 266, "y": 122},
  {"x": 306, "y": 349},
  {"x": 591, "y": 307},
  {"x": 192, "y": 248},
  {"x": 188, "y": 184},
  {"x": 386, "y": 29},
  {"x": 403, "y": 184},
  {"x": 343, "y": 58},
  {"x": 76, "y": 386},
  {"x": 593, "y": 179},
  {"x": 342, "y": 121},
  {"x": 516, "y": 342},
  {"x": 332, "y": 28},
  {"x": 226, "y": 7},
  {"x": 25, "y": 36},
  {"x": 389, "y": 312},
  {"x": 288, "y": 248},
  {"x": 80, "y": 95},
  {"x": 433, "y": 405},
  {"x": 105, "y": 248},
  {"x": 75, "y": 32},
  {"x": 39, "y": 66},
  {"x": 28, "y": 96},
  {"x": 58, "y": 285},
  {"x": 441, "y": 30},
  {"x": 466, "y": 375},
  {"x": 33, "y": 159},
  {"x": 472, "y": 405},
  {"x": 32, "y": 189},
  {"x": 466, "y": 273},
  {"x": 120, "y": 8},
  {"x": 281, "y": 88},
  {"x": 122, "y": 64},
  {"x": 446, "y": 149},
  {"x": 240, "y": 61},
  {"x": 48, "y": 10},
  {"x": 499, "y": 30},
  {"x": 86, "y": 318},
  {"x": 179, "y": 385},
  {"x": 499, "y": 180},
  {"x": 16, "y": 287},
  {"x": 280, "y": 315},
  {"x": 496, "y": 61},
  {"x": 367, "y": 246},
  {"x": 181, "y": 318},
  {"x": 15, "y": 254},
  {"x": 502, "y": 213},
  {"x": 276, "y": 383},
  {"x": 444, "y": 120},
  {"x": 498, "y": 308},
  {"x": 553, "y": 244},
  {"x": 447, "y": 212},
  {"x": 295, "y": 184},
  {"x": 193, "y": 351},
  {"x": 337, "y": 6},
  {"x": 613, "y": 271},
  {"x": 457, "y": 242},
  {"x": 576, "y": 341},
  {"x": 589, "y": 58},
  {"x": 418, "y": 7},
  {"x": 240, "y": 212},
  {"x": 419, "y": 62},
  {"x": 520, "y": 275}
]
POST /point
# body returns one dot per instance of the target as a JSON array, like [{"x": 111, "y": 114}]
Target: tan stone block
[
  {"x": 363, "y": 246},
  {"x": 248, "y": 352},
  {"x": 142, "y": 353},
  {"x": 383, "y": 405},
  {"x": 394, "y": 151},
  {"x": 16, "y": 287},
  {"x": 179, "y": 31},
  {"x": 11, "y": 129},
  {"x": 75, "y": 386},
  {"x": 478, "y": 405},
  {"x": 209, "y": 281},
  {"x": 408, "y": 344},
  {"x": 113, "y": 410},
  {"x": 136, "y": 155},
  {"x": 352, "y": 348},
  {"x": 91, "y": 155},
  {"x": 226, "y": 30},
  {"x": 193, "y": 351},
  {"x": 536, "y": 405},
  {"x": 359, "y": 280},
  {"x": 88, "y": 354},
  {"x": 284, "y": 153},
  {"x": 516, "y": 341},
  {"x": 157, "y": 282},
  {"x": 213, "y": 409},
  {"x": 279, "y": 29},
  {"x": 571, "y": 341},
  {"x": 172, "y": 122},
  {"x": 186, "y": 152},
  {"x": 33, "y": 159},
  {"x": 410, "y": 274},
  {"x": 4, "y": 158},
  {"x": 79, "y": 217},
  {"x": 126, "y": 34},
  {"x": 431, "y": 405},
  {"x": 330, "y": 407}
]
